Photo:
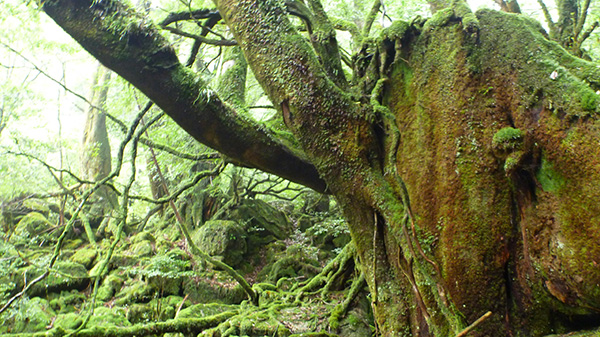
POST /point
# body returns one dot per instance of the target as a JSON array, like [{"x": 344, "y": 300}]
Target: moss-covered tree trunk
[
  {"x": 464, "y": 155},
  {"x": 95, "y": 154}
]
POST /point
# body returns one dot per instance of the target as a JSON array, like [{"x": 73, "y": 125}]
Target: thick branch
[
  {"x": 548, "y": 17},
  {"x": 190, "y": 15},
  {"x": 133, "y": 48},
  {"x": 510, "y": 6}
]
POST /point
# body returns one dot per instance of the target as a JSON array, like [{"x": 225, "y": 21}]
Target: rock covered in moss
[
  {"x": 104, "y": 316},
  {"x": 142, "y": 248},
  {"x": 85, "y": 257},
  {"x": 205, "y": 309},
  {"x": 223, "y": 238},
  {"x": 35, "y": 314},
  {"x": 67, "y": 301},
  {"x": 110, "y": 286},
  {"x": 65, "y": 275},
  {"x": 69, "y": 321},
  {"x": 293, "y": 261},
  {"x": 33, "y": 224},
  {"x": 264, "y": 218},
  {"x": 134, "y": 291},
  {"x": 214, "y": 286}
]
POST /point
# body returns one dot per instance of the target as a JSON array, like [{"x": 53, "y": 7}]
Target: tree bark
[
  {"x": 95, "y": 155},
  {"x": 465, "y": 159}
]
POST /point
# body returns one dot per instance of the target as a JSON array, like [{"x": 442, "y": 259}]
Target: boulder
[{"x": 224, "y": 239}]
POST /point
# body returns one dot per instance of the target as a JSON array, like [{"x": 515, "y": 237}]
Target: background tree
[{"x": 453, "y": 150}]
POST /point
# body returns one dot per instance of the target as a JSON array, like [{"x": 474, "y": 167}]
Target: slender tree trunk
[{"x": 95, "y": 156}]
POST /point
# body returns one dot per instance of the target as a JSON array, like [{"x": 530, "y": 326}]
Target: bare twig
[
  {"x": 201, "y": 38},
  {"x": 468, "y": 329}
]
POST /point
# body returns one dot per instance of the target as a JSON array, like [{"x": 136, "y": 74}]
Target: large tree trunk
[{"x": 465, "y": 159}]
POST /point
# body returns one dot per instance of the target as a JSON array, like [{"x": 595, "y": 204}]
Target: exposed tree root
[
  {"x": 330, "y": 275},
  {"x": 341, "y": 309},
  {"x": 183, "y": 325}
]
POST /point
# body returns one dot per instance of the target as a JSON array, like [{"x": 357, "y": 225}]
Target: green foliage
[
  {"x": 168, "y": 266},
  {"x": 507, "y": 138}
]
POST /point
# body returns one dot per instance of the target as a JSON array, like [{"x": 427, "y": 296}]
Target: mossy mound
[
  {"x": 67, "y": 301},
  {"x": 64, "y": 275},
  {"x": 214, "y": 286},
  {"x": 289, "y": 261},
  {"x": 205, "y": 309},
  {"x": 262, "y": 218},
  {"x": 110, "y": 287},
  {"x": 70, "y": 320},
  {"x": 29, "y": 315},
  {"x": 223, "y": 238},
  {"x": 85, "y": 257},
  {"x": 33, "y": 224},
  {"x": 104, "y": 316}
]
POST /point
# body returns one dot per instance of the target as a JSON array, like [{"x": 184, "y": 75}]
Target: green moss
[
  {"x": 589, "y": 101},
  {"x": 134, "y": 291},
  {"x": 549, "y": 179},
  {"x": 85, "y": 257},
  {"x": 33, "y": 224},
  {"x": 142, "y": 248},
  {"x": 440, "y": 18},
  {"x": 507, "y": 139},
  {"x": 68, "y": 321},
  {"x": 110, "y": 286},
  {"x": 33, "y": 315},
  {"x": 223, "y": 238},
  {"x": 396, "y": 31},
  {"x": 105, "y": 317},
  {"x": 67, "y": 301}
]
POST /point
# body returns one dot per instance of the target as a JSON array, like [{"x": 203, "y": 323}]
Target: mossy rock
[
  {"x": 35, "y": 315},
  {"x": 357, "y": 323},
  {"x": 222, "y": 238},
  {"x": 65, "y": 275},
  {"x": 110, "y": 286},
  {"x": 296, "y": 260},
  {"x": 159, "y": 309},
  {"x": 142, "y": 248},
  {"x": 33, "y": 224},
  {"x": 67, "y": 301},
  {"x": 315, "y": 203},
  {"x": 142, "y": 236},
  {"x": 141, "y": 313},
  {"x": 104, "y": 316},
  {"x": 68, "y": 321},
  {"x": 85, "y": 257},
  {"x": 329, "y": 234},
  {"x": 263, "y": 218},
  {"x": 205, "y": 310},
  {"x": 214, "y": 287},
  {"x": 134, "y": 291}
]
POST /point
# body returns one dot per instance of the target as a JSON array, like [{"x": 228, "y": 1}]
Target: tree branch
[
  {"x": 201, "y": 38},
  {"x": 190, "y": 15},
  {"x": 371, "y": 18},
  {"x": 581, "y": 20},
  {"x": 132, "y": 47},
  {"x": 548, "y": 16}
]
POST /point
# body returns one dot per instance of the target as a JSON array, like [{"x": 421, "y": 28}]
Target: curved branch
[
  {"x": 133, "y": 48},
  {"x": 190, "y": 15},
  {"x": 201, "y": 38}
]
